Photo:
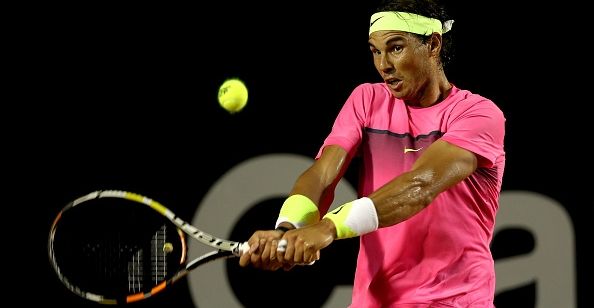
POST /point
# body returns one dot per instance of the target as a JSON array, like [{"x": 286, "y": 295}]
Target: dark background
[{"x": 124, "y": 96}]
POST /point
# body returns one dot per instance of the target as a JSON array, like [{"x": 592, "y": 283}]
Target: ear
[{"x": 435, "y": 44}]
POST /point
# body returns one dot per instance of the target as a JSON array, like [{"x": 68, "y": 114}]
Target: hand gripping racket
[{"x": 115, "y": 247}]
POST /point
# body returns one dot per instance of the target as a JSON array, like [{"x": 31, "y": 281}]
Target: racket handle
[{"x": 244, "y": 247}]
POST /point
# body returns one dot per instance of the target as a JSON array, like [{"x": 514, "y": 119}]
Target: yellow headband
[{"x": 407, "y": 22}]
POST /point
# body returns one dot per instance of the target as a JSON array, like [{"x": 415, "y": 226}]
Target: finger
[
  {"x": 265, "y": 255},
  {"x": 298, "y": 253},
  {"x": 289, "y": 251},
  {"x": 246, "y": 253},
  {"x": 309, "y": 253},
  {"x": 253, "y": 246},
  {"x": 257, "y": 254},
  {"x": 244, "y": 259},
  {"x": 288, "y": 266},
  {"x": 273, "y": 250},
  {"x": 274, "y": 266}
]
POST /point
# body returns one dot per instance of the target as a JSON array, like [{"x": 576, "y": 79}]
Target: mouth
[{"x": 392, "y": 82}]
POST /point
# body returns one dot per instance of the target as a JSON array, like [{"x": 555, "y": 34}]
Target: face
[{"x": 404, "y": 63}]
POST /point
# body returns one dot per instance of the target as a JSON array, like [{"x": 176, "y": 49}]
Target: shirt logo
[{"x": 406, "y": 150}]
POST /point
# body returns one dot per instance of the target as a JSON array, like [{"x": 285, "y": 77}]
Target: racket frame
[{"x": 224, "y": 248}]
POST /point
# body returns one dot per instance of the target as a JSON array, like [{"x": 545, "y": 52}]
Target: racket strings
[
  {"x": 95, "y": 250},
  {"x": 159, "y": 255},
  {"x": 135, "y": 272},
  {"x": 113, "y": 261}
]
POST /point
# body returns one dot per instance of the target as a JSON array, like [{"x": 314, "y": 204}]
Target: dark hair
[{"x": 427, "y": 8}]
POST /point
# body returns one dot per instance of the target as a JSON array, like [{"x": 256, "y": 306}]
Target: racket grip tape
[{"x": 243, "y": 248}]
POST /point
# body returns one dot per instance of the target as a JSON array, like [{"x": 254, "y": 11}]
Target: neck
[{"x": 436, "y": 91}]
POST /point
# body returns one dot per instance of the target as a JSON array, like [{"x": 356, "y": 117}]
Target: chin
[{"x": 397, "y": 94}]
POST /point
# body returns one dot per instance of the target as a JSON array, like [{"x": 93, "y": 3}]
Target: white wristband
[{"x": 354, "y": 218}]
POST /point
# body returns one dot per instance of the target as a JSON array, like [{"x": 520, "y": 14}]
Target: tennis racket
[{"x": 118, "y": 247}]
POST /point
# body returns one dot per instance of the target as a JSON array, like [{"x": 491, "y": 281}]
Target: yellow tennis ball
[
  {"x": 233, "y": 95},
  {"x": 167, "y": 247}
]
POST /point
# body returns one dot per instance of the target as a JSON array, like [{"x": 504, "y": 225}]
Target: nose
[{"x": 385, "y": 65}]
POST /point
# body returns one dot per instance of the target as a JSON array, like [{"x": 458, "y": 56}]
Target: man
[{"x": 432, "y": 167}]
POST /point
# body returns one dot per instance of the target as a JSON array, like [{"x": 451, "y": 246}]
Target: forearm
[
  {"x": 313, "y": 190},
  {"x": 319, "y": 181},
  {"x": 404, "y": 197},
  {"x": 306, "y": 200},
  {"x": 395, "y": 202},
  {"x": 398, "y": 200},
  {"x": 316, "y": 187}
]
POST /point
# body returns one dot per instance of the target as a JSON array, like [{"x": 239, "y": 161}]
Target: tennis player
[{"x": 432, "y": 167}]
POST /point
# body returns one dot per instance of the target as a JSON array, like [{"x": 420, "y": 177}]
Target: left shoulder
[{"x": 467, "y": 100}]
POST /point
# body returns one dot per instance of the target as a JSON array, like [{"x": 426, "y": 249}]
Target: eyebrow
[{"x": 392, "y": 40}]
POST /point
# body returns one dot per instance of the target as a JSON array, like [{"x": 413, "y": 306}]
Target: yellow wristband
[
  {"x": 354, "y": 218},
  {"x": 298, "y": 210}
]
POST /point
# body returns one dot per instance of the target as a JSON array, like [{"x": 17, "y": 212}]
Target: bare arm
[
  {"x": 317, "y": 183},
  {"x": 441, "y": 166}
]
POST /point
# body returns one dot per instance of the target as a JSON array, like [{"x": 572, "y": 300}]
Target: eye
[
  {"x": 375, "y": 51},
  {"x": 397, "y": 49}
]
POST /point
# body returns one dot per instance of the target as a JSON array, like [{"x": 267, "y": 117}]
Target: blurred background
[{"x": 124, "y": 96}]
